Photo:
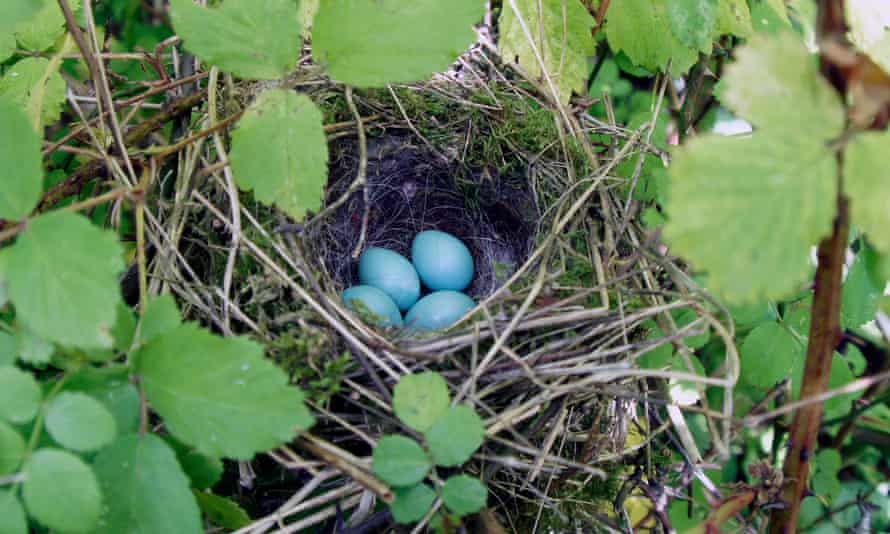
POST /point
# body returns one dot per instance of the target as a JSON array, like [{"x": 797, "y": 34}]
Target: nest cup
[{"x": 410, "y": 189}]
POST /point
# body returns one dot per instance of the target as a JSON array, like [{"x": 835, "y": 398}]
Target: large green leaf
[
  {"x": 768, "y": 354},
  {"x": 110, "y": 386},
  {"x": 420, "y": 399},
  {"x": 560, "y": 33},
  {"x": 368, "y": 43},
  {"x": 61, "y": 492},
  {"x": 400, "y": 461},
  {"x": 79, "y": 422},
  {"x": 22, "y": 175},
  {"x": 734, "y": 17},
  {"x": 220, "y": 395},
  {"x": 41, "y": 31},
  {"x": 35, "y": 85},
  {"x": 693, "y": 21},
  {"x": 249, "y": 38},
  {"x": 867, "y": 182},
  {"x": 19, "y": 395},
  {"x": 13, "y": 12},
  {"x": 641, "y": 29},
  {"x": 8, "y": 349},
  {"x": 13, "y": 514},
  {"x": 62, "y": 275},
  {"x": 455, "y": 436},
  {"x": 279, "y": 151},
  {"x": 12, "y": 449},
  {"x": 161, "y": 315},
  {"x": 145, "y": 489}
]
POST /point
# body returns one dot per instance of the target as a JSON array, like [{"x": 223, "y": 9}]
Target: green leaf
[
  {"x": 659, "y": 357},
  {"x": 35, "y": 84},
  {"x": 279, "y": 151},
  {"x": 420, "y": 399},
  {"x": 19, "y": 395},
  {"x": 110, "y": 386},
  {"x": 775, "y": 85},
  {"x": 768, "y": 354},
  {"x": 877, "y": 265},
  {"x": 400, "y": 461},
  {"x": 222, "y": 511},
  {"x": 684, "y": 317},
  {"x": 560, "y": 32},
  {"x": 210, "y": 390},
  {"x": 203, "y": 471},
  {"x": 14, "y": 520},
  {"x": 464, "y": 494},
  {"x": 693, "y": 21},
  {"x": 640, "y": 29},
  {"x": 19, "y": 150},
  {"x": 372, "y": 43},
  {"x": 867, "y": 182},
  {"x": 769, "y": 16},
  {"x": 869, "y": 21},
  {"x": 734, "y": 17},
  {"x": 79, "y": 422},
  {"x": 33, "y": 349},
  {"x": 161, "y": 315},
  {"x": 412, "y": 504},
  {"x": 860, "y": 297},
  {"x": 75, "y": 305},
  {"x": 13, "y": 12},
  {"x": 8, "y": 349},
  {"x": 728, "y": 199},
  {"x": 145, "y": 489},
  {"x": 841, "y": 375},
  {"x": 249, "y": 38},
  {"x": 455, "y": 436},
  {"x": 12, "y": 450},
  {"x": 825, "y": 482},
  {"x": 41, "y": 31},
  {"x": 61, "y": 492},
  {"x": 124, "y": 328},
  {"x": 7, "y": 46}
]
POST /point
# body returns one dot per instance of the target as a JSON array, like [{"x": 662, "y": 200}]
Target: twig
[{"x": 362, "y": 171}]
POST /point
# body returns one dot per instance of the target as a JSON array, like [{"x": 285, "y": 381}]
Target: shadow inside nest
[{"x": 411, "y": 189}]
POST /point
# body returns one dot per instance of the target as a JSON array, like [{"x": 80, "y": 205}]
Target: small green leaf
[
  {"x": 9, "y": 349},
  {"x": 562, "y": 38},
  {"x": 860, "y": 297},
  {"x": 79, "y": 422},
  {"x": 734, "y": 17},
  {"x": 420, "y": 399},
  {"x": 825, "y": 482},
  {"x": 12, "y": 450},
  {"x": 412, "y": 503},
  {"x": 13, "y": 12},
  {"x": 768, "y": 355},
  {"x": 841, "y": 375},
  {"x": 19, "y": 395},
  {"x": 400, "y": 461},
  {"x": 659, "y": 357},
  {"x": 19, "y": 150},
  {"x": 12, "y": 512},
  {"x": 35, "y": 84},
  {"x": 249, "y": 38},
  {"x": 76, "y": 305},
  {"x": 693, "y": 21},
  {"x": 124, "y": 328},
  {"x": 867, "y": 182},
  {"x": 61, "y": 492},
  {"x": 33, "y": 349},
  {"x": 41, "y": 31},
  {"x": 161, "y": 315},
  {"x": 203, "y": 471},
  {"x": 279, "y": 151},
  {"x": 640, "y": 29},
  {"x": 145, "y": 489},
  {"x": 372, "y": 43},
  {"x": 464, "y": 494},
  {"x": 455, "y": 436},
  {"x": 110, "y": 386},
  {"x": 221, "y": 511},
  {"x": 216, "y": 411},
  {"x": 684, "y": 317}
]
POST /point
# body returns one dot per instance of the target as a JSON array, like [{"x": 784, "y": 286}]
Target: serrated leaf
[
  {"x": 222, "y": 511},
  {"x": 12, "y": 450},
  {"x": 145, "y": 489},
  {"x": 372, "y": 43},
  {"x": 79, "y": 422},
  {"x": 42, "y": 30},
  {"x": 560, "y": 33},
  {"x": 728, "y": 199},
  {"x": 161, "y": 315},
  {"x": 75, "y": 305},
  {"x": 420, "y": 399},
  {"x": 19, "y": 150},
  {"x": 400, "y": 461},
  {"x": 464, "y": 494},
  {"x": 455, "y": 436},
  {"x": 867, "y": 182},
  {"x": 412, "y": 504},
  {"x": 110, "y": 386},
  {"x": 61, "y": 492},
  {"x": 768, "y": 354},
  {"x": 209, "y": 391},
  {"x": 249, "y": 38},
  {"x": 869, "y": 23},
  {"x": 13, "y": 514},
  {"x": 13, "y": 12},
  {"x": 860, "y": 297},
  {"x": 775, "y": 85},
  {"x": 734, "y": 17},
  {"x": 33, "y": 349},
  {"x": 279, "y": 151},
  {"x": 35, "y": 84},
  {"x": 640, "y": 29},
  {"x": 693, "y": 21},
  {"x": 19, "y": 395},
  {"x": 203, "y": 471}
]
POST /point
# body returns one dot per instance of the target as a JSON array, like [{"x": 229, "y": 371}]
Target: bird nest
[{"x": 567, "y": 279}]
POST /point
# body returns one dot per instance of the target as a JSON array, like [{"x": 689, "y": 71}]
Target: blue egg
[
  {"x": 384, "y": 310},
  {"x": 391, "y": 273},
  {"x": 442, "y": 261},
  {"x": 438, "y": 310}
]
